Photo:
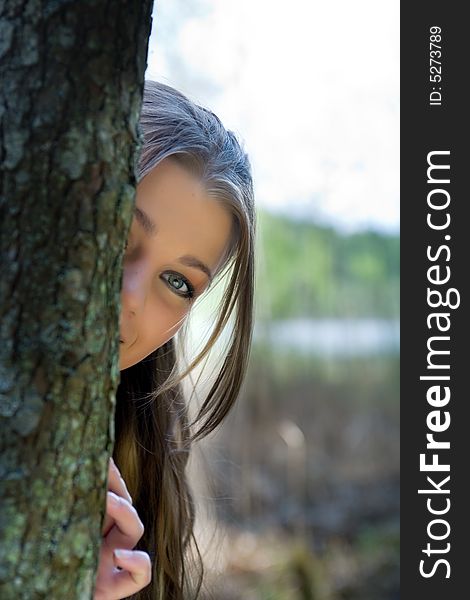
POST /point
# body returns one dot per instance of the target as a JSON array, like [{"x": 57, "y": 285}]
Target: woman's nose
[{"x": 133, "y": 291}]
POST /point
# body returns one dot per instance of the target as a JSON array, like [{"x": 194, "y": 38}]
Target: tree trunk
[{"x": 71, "y": 85}]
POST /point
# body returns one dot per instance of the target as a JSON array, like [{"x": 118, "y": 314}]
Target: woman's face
[{"x": 176, "y": 241}]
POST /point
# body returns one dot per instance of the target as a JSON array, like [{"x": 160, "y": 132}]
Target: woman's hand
[{"x": 122, "y": 529}]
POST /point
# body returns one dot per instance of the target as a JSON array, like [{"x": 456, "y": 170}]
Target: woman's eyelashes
[{"x": 189, "y": 294}]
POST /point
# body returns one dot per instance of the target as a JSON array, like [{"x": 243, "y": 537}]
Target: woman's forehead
[{"x": 175, "y": 203}]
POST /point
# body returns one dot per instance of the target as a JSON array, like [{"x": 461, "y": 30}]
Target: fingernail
[
  {"x": 114, "y": 498},
  {"x": 122, "y": 554},
  {"x": 125, "y": 487}
]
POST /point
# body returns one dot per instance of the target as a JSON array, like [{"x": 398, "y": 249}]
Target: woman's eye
[{"x": 178, "y": 282}]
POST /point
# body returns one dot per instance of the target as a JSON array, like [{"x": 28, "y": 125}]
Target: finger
[
  {"x": 116, "y": 483},
  {"x": 107, "y": 524},
  {"x": 137, "y": 572},
  {"x": 128, "y": 528}
]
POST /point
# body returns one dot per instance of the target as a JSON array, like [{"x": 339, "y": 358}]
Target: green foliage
[{"x": 306, "y": 270}]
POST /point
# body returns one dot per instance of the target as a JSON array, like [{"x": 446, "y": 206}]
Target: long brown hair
[{"x": 152, "y": 429}]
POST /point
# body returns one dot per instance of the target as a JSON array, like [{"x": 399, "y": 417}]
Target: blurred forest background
[{"x": 298, "y": 492}]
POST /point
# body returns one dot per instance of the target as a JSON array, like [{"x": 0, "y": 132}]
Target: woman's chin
[
  {"x": 126, "y": 362},
  {"x": 124, "y": 365}
]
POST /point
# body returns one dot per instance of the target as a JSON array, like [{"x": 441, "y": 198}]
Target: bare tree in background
[{"x": 71, "y": 85}]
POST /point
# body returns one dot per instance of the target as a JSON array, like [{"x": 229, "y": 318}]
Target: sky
[{"x": 312, "y": 90}]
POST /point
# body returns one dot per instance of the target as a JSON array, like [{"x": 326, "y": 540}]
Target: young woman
[{"x": 194, "y": 223}]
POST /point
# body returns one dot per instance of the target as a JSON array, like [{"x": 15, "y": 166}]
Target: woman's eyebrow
[
  {"x": 146, "y": 222},
  {"x": 191, "y": 261}
]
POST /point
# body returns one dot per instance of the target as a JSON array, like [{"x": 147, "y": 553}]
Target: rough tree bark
[{"x": 71, "y": 84}]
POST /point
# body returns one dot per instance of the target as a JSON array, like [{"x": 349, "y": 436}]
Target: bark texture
[{"x": 71, "y": 85}]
